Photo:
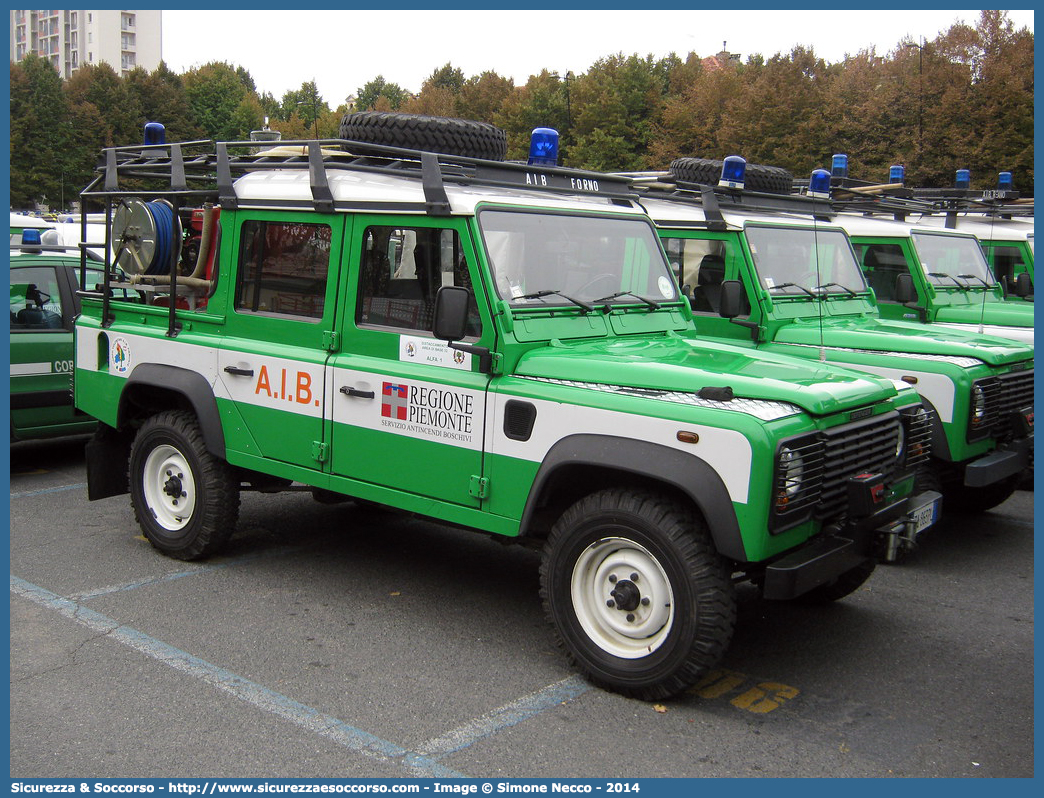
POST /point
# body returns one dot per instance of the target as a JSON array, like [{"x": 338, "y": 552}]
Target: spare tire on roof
[
  {"x": 706, "y": 171},
  {"x": 443, "y": 134}
]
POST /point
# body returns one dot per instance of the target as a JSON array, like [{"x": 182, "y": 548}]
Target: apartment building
[{"x": 124, "y": 39}]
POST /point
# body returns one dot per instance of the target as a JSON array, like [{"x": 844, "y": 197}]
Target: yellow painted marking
[
  {"x": 756, "y": 698},
  {"x": 717, "y": 683}
]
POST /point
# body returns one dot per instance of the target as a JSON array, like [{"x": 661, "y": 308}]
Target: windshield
[
  {"x": 1029, "y": 238},
  {"x": 543, "y": 258},
  {"x": 950, "y": 260},
  {"x": 803, "y": 261}
]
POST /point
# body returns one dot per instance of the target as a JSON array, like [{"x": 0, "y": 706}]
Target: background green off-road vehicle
[
  {"x": 498, "y": 346},
  {"x": 44, "y": 277},
  {"x": 777, "y": 273},
  {"x": 1000, "y": 219},
  {"x": 935, "y": 276}
]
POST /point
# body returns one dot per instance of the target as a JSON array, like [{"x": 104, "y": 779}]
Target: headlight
[
  {"x": 791, "y": 476},
  {"x": 978, "y": 406},
  {"x": 900, "y": 443}
]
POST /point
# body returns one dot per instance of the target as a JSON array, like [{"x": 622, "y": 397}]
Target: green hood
[
  {"x": 688, "y": 364},
  {"x": 885, "y": 335},
  {"x": 1001, "y": 314}
]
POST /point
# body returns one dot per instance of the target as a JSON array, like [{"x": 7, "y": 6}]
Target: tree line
[{"x": 961, "y": 101}]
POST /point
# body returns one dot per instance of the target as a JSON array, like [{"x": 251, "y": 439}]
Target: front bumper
[
  {"x": 1006, "y": 460},
  {"x": 837, "y": 550}
]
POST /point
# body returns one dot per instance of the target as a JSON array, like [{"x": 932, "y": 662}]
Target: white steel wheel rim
[
  {"x": 170, "y": 489},
  {"x": 628, "y": 630}
]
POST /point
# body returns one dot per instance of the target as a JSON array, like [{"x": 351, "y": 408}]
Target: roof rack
[
  {"x": 205, "y": 170},
  {"x": 662, "y": 185},
  {"x": 899, "y": 201}
]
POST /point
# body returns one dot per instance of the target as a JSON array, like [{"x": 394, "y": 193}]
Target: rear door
[{"x": 279, "y": 334}]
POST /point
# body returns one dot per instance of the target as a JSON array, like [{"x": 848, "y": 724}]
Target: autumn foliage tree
[{"x": 961, "y": 100}]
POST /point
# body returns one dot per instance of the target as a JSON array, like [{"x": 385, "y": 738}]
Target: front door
[{"x": 408, "y": 412}]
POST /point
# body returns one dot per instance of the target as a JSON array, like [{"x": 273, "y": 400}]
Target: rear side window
[{"x": 283, "y": 268}]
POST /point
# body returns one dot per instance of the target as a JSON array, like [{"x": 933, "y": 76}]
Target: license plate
[{"x": 924, "y": 517}]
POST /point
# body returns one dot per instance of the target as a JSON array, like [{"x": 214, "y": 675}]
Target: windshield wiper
[
  {"x": 844, "y": 288},
  {"x": 974, "y": 277},
  {"x": 958, "y": 283},
  {"x": 648, "y": 302},
  {"x": 548, "y": 292},
  {"x": 791, "y": 285}
]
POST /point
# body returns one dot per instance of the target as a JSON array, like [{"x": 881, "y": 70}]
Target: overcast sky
[{"x": 343, "y": 50}]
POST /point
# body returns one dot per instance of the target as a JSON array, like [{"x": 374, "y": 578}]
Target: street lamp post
[{"x": 920, "y": 98}]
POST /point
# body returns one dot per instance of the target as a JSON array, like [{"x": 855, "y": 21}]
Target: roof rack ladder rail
[
  {"x": 322, "y": 198},
  {"x": 436, "y": 202},
  {"x": 110, "y": 264},
  {"x": 175, "y": 250},
  {"x": 226, "y": 194}
]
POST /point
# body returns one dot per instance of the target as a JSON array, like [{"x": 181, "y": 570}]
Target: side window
[
  {"x": 401, "y": 270},
  {"x": 283, "y": 268},
  {"x": 700, "y": 268},
  {"x": 1007, "y": 262},
  {"x": 882, "y": 264},
  {"x": 36, "y": 301}
]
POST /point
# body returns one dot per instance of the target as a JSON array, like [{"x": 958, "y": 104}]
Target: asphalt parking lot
[{"x": 342, "y": 641}]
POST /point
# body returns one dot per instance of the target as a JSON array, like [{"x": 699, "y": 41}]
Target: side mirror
[
  {"x": 1023, "y": 285},
  {"x": 451, "y": 313},
  {"x": 904, "y": 289},
  {"x": 731, "y": 299},
  {"x": 450, "y": 323}
]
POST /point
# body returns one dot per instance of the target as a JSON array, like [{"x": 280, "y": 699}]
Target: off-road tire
[
  {"x": 844, "y": 585},
  {"x": 759, "y": 177},
  {"x": 675, "y": 638},
  {"x": 464, "y": 137},
  {"x": 170, "y": 471}
]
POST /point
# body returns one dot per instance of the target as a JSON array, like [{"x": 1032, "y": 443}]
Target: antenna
[{"x": 820, "y": 295}]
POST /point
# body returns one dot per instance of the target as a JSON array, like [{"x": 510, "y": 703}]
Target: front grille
[
  {"x": 1006, "y": 396},
  {"x": 864, "y": 447},
  {"x": 812, "y": 471}
]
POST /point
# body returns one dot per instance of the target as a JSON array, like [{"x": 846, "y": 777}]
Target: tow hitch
[{"x": 901, "y": 536}]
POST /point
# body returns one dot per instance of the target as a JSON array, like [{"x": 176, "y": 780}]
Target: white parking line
[
  {"x": 421, "y": 763},
  {"x": 87, "y": 595},
  {"x": 417, "y": 765},
  {"x": 48, "y": 490},
  {"x": 503, "y": 717}
]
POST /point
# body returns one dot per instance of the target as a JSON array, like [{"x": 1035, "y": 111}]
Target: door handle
[
  {"x": 347, "y": 391},
  {"x": 239, "y": 372}
]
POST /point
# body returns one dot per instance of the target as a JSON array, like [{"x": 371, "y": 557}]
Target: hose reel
[{"x": 145, "y": 235}]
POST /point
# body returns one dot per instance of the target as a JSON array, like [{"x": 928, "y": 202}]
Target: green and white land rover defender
[
  {"x": 777, "y": 273},
  {"x": 493, "y": 345},
  {"x": 935, "y": 276}
]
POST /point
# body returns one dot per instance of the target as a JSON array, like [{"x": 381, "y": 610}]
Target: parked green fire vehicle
[
  {"x": 497, "y": 346},
  {"x": 935, "y": 276},
  {"x": 774, "y": 273},
  {"x": 43, "y": 305},
  {"x": 1006, "y": 243}
]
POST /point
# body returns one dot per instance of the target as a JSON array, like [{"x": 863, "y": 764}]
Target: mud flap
[{"x": 107, "y": 455}]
